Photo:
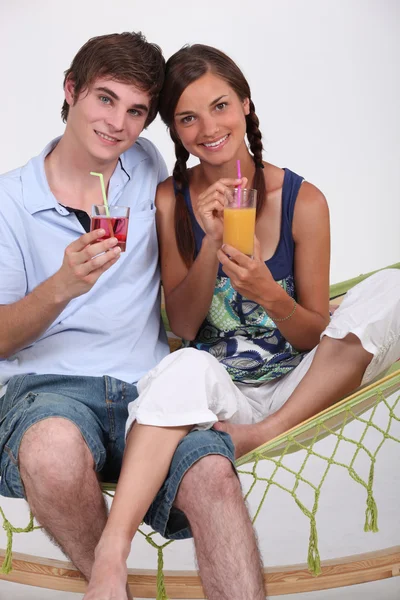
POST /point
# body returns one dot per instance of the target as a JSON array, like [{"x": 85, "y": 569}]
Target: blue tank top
[{"x": 238, "y": 331}]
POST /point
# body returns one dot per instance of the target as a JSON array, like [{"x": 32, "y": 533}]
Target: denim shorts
[{"x": 98, "y": 406}]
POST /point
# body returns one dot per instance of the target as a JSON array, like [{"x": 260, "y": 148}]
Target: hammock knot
[
  {"x": 314, "y": 561},
  {"x": 161, "y": 591},
  {"x": 371, "y": 513}
]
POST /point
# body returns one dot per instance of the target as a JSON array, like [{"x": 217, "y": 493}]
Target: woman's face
[{"x": 210, "y": 120}]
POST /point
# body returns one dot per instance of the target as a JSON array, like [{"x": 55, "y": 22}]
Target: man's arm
[{"x": 24, "y": 321}]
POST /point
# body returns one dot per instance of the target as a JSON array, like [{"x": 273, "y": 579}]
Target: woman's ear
[
  {"x": 69, "y": 91},
  {"x": 246, "y": 106}
]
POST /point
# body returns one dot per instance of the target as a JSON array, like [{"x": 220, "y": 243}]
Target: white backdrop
[
  {"x": 324, "y": 79},
  {"x": 325, "y": 82}
]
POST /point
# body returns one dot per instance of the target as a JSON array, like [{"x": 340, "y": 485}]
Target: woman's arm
[
  {"x": 188, "y": 292},
  {"x": 253, "y": 279}
]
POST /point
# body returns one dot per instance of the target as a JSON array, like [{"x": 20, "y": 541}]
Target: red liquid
[{"x": 114, "y": 227}]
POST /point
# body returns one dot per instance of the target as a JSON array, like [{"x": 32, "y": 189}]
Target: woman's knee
[
  {"x": 53, "y": 450},
  {"x": 214, "y": 477}
]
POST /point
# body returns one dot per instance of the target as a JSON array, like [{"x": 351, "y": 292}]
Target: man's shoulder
[
  {"x": 11, "y": 186},
  {"x": 142, "y": 149},
  {"x": 11, "y": 177},
  {"x": 14, "y": 183}
]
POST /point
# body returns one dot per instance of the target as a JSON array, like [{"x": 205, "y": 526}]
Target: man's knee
[
  {"x": 54, "y": 453},
  {"x": 214, "y": 476}
]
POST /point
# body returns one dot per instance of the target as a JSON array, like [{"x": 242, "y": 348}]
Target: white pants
[{"x": 190, "y": 387}]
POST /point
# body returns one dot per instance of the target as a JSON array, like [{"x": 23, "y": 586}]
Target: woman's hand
[
  {"x": 210, "y": 207},
  {"x": 249, "y": 276}
]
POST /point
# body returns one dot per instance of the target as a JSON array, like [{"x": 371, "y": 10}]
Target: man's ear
[
  {"x": 246, "y": 106},
  {"x": 69, "y": 90}
]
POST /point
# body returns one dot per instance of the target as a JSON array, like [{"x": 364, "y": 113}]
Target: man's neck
[{"x": 68, "y": 169}]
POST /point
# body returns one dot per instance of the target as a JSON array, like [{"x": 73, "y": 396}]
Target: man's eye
[
  {"x": 134, "y": 112},
  {"x": 104, "y": 99}
]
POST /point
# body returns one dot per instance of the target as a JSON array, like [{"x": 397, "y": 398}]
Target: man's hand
[{"x": 84, "y": 261}]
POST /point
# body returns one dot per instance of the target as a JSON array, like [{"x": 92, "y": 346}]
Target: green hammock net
[{"x": 368, "y": 408}]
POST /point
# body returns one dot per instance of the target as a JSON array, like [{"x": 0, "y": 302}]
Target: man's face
[{"x": 107, "y": 117}]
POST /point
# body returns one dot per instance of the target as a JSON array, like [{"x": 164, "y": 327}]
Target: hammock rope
[{"x": 331, "y": 422}]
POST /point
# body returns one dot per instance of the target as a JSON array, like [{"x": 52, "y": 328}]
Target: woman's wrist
[
  {"x": 210, "y": 244},
  {"x": 279, "y": 306}
]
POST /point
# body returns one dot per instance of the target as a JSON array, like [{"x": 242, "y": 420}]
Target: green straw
[{"x": 103, "y": 191}]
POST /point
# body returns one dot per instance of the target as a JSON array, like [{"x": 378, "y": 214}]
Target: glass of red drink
[{"x": 114, "y": 220}]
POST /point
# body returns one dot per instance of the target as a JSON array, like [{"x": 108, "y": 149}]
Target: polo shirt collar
[{"x": 37, "y": 194}]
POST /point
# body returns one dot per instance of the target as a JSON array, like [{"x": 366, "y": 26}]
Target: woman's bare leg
[
  {"x": 336, "y": 370},
  {"x": 148, "y": 455}
]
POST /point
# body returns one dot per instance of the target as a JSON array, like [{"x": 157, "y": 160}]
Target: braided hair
[
  {"x": 183, "y": 68},
  {"x": 256, "y": 148},
  {"x": 183, "y": 226}
]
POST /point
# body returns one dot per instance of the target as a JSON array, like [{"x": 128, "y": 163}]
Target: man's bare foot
[
  {"x": 247, "y": 437},
  {"x": 108, "y": 578}
]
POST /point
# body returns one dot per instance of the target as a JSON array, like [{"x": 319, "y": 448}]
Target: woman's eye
[
  {"x": 221, "y": 106},
  {"x": 188, "y": 119}
]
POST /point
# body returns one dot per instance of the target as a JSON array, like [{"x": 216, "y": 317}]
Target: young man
[
  {"x": 79, "y": 321},
  {"x": 80, "y": 324}
]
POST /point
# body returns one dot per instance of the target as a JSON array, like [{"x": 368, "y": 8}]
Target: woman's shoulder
[
  {"x": 310, "y": 197},
  {"x": 166, "y": 186},
  {"x": 274, "y": 177},
  {"x": 311, "y": 210},
  {"x": 165, "y": 195}
]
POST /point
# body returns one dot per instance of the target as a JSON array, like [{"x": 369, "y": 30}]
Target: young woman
[{"x": 255, "y": 365}]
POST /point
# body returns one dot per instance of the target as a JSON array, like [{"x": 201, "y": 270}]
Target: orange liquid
[{"x": 239, "y": 225}]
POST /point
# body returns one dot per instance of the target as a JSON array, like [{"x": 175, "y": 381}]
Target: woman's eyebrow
[{"x": 189, "y": 112}]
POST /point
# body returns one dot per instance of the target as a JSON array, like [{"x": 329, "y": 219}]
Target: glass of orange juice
[{"x": 240, "y": 219}]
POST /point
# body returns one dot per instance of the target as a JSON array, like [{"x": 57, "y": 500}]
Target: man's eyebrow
[
  {"x": 189, "y": 112},
  {"x": 142, "y": 107},
  {"x": 109, "y": 92}
]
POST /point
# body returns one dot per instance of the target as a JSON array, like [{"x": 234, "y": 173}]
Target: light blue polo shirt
[{"x": 115, "y": 329}]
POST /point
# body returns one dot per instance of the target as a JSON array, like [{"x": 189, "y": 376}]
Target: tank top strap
[
  {"x": 290, "y": 190},
  {"x": 281, "y": 264}
]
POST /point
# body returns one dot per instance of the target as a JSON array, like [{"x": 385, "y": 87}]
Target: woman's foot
[
  {"x": 108, "y": 578},
  {"x": 248, "y": 437}
]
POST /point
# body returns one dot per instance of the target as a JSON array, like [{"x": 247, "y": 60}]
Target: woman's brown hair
[
  {"x": 125, "y": 57},
  {"x": 183, "y": 68}
]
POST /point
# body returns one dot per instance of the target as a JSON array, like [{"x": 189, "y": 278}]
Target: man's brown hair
[{"x": 126, "y": 58}]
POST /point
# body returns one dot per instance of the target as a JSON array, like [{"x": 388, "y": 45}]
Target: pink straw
[{"x": 239, "y": 176}]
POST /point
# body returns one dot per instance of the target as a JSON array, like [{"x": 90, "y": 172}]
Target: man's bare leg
[
  {"x": 226, "y": 548},
  {"x": 62, "y": 488},
  {"x": 336, "y": 370},
  {"x": 148, "y": 455}
]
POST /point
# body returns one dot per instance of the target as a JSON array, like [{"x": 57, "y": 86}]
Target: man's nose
[{"x": 116, "y": 120}]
